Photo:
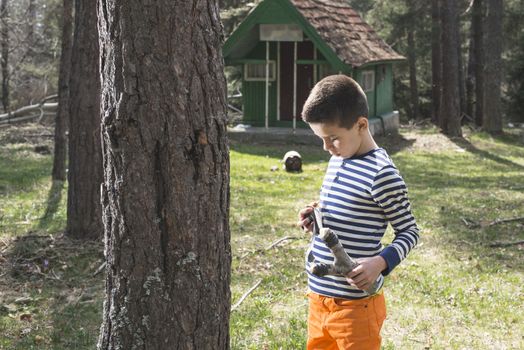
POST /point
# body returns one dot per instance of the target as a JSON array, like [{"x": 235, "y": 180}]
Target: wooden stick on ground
[
  {"x": 100, "y": 268},
  {"x": 272, "y": 245},
  {"x": 500, "y": 221},
  {"x": 245, "y": 295},
  {"x": 505, "y": 244},
  {"x": 278, "y": 241}
]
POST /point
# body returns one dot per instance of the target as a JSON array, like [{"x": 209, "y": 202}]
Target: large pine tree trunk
[
  {"x": 4, "y": 63},
  {"x": 436, "y": 62},
  {"x": 166, "y": 176},
  {"x": 478, "y": 34},
  {"x": 492, "y": 121},
  {"x": 84, "y": 214},
  {"x": 62, "y": 114},
  {"x": 450, "y": 105}
]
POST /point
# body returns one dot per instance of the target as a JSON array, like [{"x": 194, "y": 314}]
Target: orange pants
[{"x": 335, "y": 323}]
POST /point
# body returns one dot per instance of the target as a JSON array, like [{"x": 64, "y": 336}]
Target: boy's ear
[{"x": 362, "y": 123}]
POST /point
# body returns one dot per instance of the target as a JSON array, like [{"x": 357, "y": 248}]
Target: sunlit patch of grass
[
  {"x": 453, "y": 287},
  {"x": 25, "y": 192}
]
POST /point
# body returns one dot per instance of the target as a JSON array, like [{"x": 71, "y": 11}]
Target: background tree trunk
[
  {"x": 166, "y": 176},
  {"x": 492, "y": 121},
  {"x": 478, "y": 34},
  {"x": 436, "y": 62},
  {"x": 84, "y": 215},
  {"x": 450, "y": 112},
  {"x": 462, "y": 76},
  {"x": 62, "y": 114},
  {"x": 31, "y": 14},
  {"x": 470, "y": 77},
  {"x": 412, "y": 59},
  {"x": 4, "y": 34}
]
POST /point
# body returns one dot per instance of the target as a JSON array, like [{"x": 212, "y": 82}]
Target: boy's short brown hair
[{"x": 336, "y": 99}]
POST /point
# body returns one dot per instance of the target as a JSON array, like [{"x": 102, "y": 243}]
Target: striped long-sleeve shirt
[{"x": 359, "y": 197}]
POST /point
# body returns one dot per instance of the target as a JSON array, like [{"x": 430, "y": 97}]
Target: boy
[{"x": 362, "y": 192}]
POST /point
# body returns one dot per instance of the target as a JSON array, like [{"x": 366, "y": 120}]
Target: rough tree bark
[
  {"x": 478, "y": 38},
  {"x": 436, "y": 62},
  {"x": 166, "y": 176},
  {"x": 450, "y": 103},
  {"x": 492, "y": 121},
  {"x": 4, "y": 63},
  {"x": 84, "y": 214},
  {"x": 62, "y": 114}
]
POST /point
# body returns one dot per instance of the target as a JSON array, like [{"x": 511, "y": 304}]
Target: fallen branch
[
  {"x": 500, "y": 221},
  {"x": 469, "y": 223},
  {"x": 505, "y": 244},
  {"x": 36, "y": 108},
  {"x": 278, "y": 241},
  {"x": 245, "y": 295},
  {"x": 233, "y": 108},
  {"x": 272, "y": 245},
  {"x": 32, "y": 111},
  {"x": 100, "y": 269}
]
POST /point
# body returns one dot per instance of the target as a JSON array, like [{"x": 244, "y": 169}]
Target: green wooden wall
[
  {"x": 254, "y": 92},
  {"x": 380, "y": 100},
  {"x": 371, "y": 94},
  {"x": 384, "y": 84}
]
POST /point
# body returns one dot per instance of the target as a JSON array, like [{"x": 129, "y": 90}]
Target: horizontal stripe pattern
[{"x": 358, "y": 198}]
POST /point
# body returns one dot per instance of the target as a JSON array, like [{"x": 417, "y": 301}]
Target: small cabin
[{"x": 285, "y": 46}]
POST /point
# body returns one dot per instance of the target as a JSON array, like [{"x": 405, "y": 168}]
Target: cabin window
[
  {"x": 368, "y": 80},
  {"x": 257, "y": 71}
]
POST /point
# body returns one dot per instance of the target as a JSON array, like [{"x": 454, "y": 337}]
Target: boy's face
[{"x": 339, "y": 141}]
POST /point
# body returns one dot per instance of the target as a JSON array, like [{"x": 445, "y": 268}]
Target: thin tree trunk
[
  {"x": 450, "y": 93},
  {"x": 62, "y": 114},
  {"x": 462, "y": 76},
  {"x": 415, "y": 114},
  {"x": 478, "y": 33},
  {"x": 31, "y": 12},
  {"x": 166, "y": 176},
  {"x": 470, "y": 78},
  {"x": 4, "y": 34},
  {"x": 84, "y": 214},
  {"x": 492, "y": 121},
  {"x": 436, "y": 62}
]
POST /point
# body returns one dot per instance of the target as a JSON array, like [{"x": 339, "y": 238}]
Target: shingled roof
[{"x": 342, "y": 28}]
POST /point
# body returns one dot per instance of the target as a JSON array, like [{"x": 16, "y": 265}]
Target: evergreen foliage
[{"x": 33, "y": 64}]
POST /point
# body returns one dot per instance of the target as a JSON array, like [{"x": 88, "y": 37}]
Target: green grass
[
  {"x": 28, "y": 201},
  {"x": 453, "y": 292}
]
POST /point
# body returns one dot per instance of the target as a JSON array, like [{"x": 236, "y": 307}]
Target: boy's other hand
[
  {"x": 304, "y": 221},
  {"x": 364, "y": 275}
]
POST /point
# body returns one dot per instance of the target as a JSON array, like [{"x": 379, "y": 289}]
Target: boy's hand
[
  {"x": 364, "y": 275},
  {"x": 303, "y": 217}
]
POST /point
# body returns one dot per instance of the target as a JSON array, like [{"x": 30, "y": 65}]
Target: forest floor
[{"x": 455, "y": 290}]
